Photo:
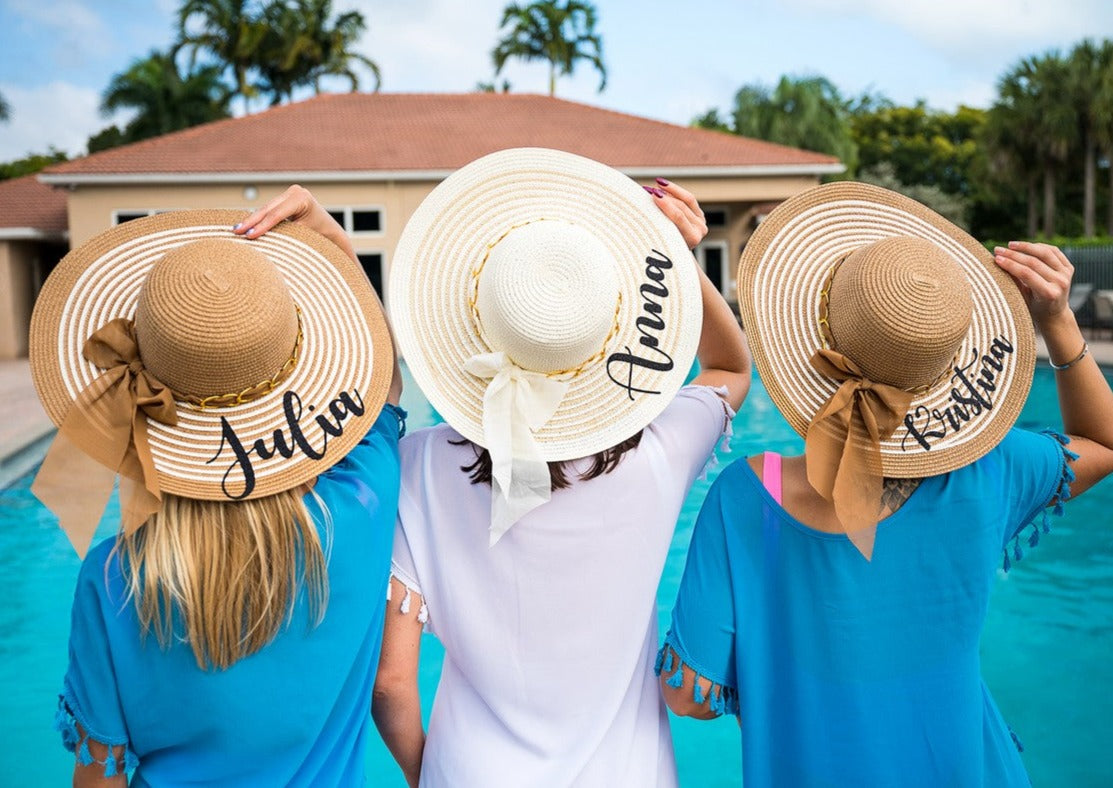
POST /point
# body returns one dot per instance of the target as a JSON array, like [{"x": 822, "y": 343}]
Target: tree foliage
[
  {"x": 165, "y": 99},
  {"x": 30, "y": 164},
  {"x": 804, "y": 112},
  {"x": 947, "y": 204},
  {"x": 560, "y": 32},
  {"x": 305, "y": 44},
  {"x": 5, "y": 110},
  {"x": 921, "y": 146},
  {"x": 272, "y": 48}
]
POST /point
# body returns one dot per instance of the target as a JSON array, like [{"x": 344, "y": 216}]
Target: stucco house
[{"x": 370, "y": 158}]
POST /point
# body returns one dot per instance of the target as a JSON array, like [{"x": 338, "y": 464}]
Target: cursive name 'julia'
[
  {"x": 972, "y": 392},
  {"x": 286, "y": 442},
  {"x": 650, "y": 323}
]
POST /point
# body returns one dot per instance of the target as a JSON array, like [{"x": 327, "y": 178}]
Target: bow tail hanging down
[
  {"x": 840, "y": 467},
  {"x": 516, "y": 403},
  {"x": 76, "y": 488},
  {"x": 104, "y": 434}
]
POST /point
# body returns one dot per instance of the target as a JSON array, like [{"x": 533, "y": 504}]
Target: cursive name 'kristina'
[
  {"x": 342, "y": 406},
  {"x": 649, "y": 324},
  {"x": 973, "y": 389}
]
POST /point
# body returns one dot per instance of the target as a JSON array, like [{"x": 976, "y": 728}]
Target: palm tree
[
  {"x": 561, "y": 32},
  {"x": 1086, "y": 71},
  {"x": 1035, "y": 98},
  {"x": 1009, "y": 138},
  {"x": 1103, "y": 114},
  {"x": 805, "y": 112},
  {"x": 5, "y": 112},
  {"x": 303, "y": 45},
  {"x": 166, "y": 100},
  {"x": 231, "y": 31}
]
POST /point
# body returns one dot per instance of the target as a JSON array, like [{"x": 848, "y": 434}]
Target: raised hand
[
  {"x": 682, "y": 208},
  {"x": 1044, "y": 274},
  {"x": 296, "y": 204}
]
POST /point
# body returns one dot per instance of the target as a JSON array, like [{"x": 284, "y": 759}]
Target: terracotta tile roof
[
  {"x": 386, "y": 132},
  {"x": 27, "y": 204}
]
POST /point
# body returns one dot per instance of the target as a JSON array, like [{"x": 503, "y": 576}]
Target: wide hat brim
[
  {"x": 447, "y": 238},
  {"x": 782, "y": 272},
  {"x": 346, "y": 348}
]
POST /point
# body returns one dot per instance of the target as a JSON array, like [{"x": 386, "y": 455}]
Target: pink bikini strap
[{"x": 771, "y": 474}]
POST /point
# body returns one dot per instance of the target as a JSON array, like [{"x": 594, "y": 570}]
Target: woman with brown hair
[
  {"x": 551, "y": 311},
  {"x": 835, "y": 601},
  {"x": 246, "y": 393}
]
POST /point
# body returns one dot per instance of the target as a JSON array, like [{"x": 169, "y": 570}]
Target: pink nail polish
[{"x": 662, "y": 181}]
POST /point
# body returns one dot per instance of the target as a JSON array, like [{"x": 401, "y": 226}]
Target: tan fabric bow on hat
[
  {"x": 841, "y": 469},
  {"x": 193, "y": 362},
  {"x": 105, "y": 433}
]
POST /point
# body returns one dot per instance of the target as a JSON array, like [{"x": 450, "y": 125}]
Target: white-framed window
[
  {"x": 372, "y": 264},
  {"x": 122, "y": 215},
  {"x": 712, "y": 256},
  {"x": 716, "y": 216},
  {"x": 359, "y": 220}
]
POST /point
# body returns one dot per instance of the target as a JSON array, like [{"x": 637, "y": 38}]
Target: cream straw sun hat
[
  {"x": 864, "y": 307},
  {"x": 547, "y": 309},
  {"x": 195, "y": 362}
]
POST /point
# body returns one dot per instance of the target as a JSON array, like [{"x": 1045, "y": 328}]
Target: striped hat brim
[
  {"x": 282, "y": 439},
  {"x": 782, "y": 272}
]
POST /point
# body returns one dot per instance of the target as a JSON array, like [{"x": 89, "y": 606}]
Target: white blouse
[{"x": 549, "y": 635}]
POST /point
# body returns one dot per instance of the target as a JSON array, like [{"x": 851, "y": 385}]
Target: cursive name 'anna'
[
  {"x": 972, "y": 392},
  {"x": 650, "y": 323},
  {"x": 284, "y": 443}
]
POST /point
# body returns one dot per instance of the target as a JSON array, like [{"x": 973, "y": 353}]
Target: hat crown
[
  {"x": 547, "y": 296},
  {"x": 900, "y": 308},
  {"x": 215, "y": 317}
]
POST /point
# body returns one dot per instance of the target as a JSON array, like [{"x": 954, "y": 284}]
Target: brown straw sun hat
[
  {"x": 864, "y": 307},
  {"x": 192, "y": 361},
  {"x": 542, "y": 275}
]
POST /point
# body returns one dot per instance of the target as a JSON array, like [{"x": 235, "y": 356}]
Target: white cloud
[
  {"x": 57, "y": 114},
  {"x": 981, "y": 28},
  {"x": 429, "y": 45},
  {"x": 76, "y": 32}
]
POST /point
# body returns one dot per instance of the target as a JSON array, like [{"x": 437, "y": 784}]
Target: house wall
[
  {"x": 92, "y": 208},
  {"x": 19, "y": 264}
]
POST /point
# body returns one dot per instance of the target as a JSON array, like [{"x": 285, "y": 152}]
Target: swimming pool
[{"x": 1047, "y": 650}]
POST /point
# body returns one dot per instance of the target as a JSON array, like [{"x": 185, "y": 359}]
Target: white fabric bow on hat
[{"x": 516, "y": 403}]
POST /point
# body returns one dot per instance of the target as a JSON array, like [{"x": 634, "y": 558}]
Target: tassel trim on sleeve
[
  {"x": 727, "y": 434},
  {"x": 1031, "y": 532},
  {"x": 66, "y": 723},
  {"x": 720, "y": 698},
  {"x": 404, "y": 605}
]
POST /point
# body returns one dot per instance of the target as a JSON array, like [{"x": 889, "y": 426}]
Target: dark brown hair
[{"x": 601, "y": 462}]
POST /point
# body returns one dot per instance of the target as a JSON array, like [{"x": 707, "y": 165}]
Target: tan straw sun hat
[
  {"x": 193, "y": 361},
  {"x": 547, "y": 309},
  {"x": 864, "y": 307}
]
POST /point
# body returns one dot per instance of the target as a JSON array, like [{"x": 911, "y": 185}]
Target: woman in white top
[{"x": 550, "y": 312}]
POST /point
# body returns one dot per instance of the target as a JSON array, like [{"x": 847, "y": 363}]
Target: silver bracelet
[{"x": 1072, "y": 362}]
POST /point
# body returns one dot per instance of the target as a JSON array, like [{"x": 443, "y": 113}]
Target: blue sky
[{"x": 666, "y": 59}]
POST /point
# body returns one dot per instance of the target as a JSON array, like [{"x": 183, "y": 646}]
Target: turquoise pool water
[{"x": 1047, "y": 649}]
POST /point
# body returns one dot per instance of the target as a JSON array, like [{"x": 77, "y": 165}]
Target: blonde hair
[{"x": 228, "y": 572}]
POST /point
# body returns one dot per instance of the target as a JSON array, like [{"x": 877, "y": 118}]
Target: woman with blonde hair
[{"x": 245, "y": 392}]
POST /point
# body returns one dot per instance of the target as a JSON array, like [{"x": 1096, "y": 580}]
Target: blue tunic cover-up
[
  {"x": 294, "y": 713},
  {"x": 847, "y": 672}
]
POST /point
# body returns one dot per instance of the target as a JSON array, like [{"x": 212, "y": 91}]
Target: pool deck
[{"x": 26, "y": 430}]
